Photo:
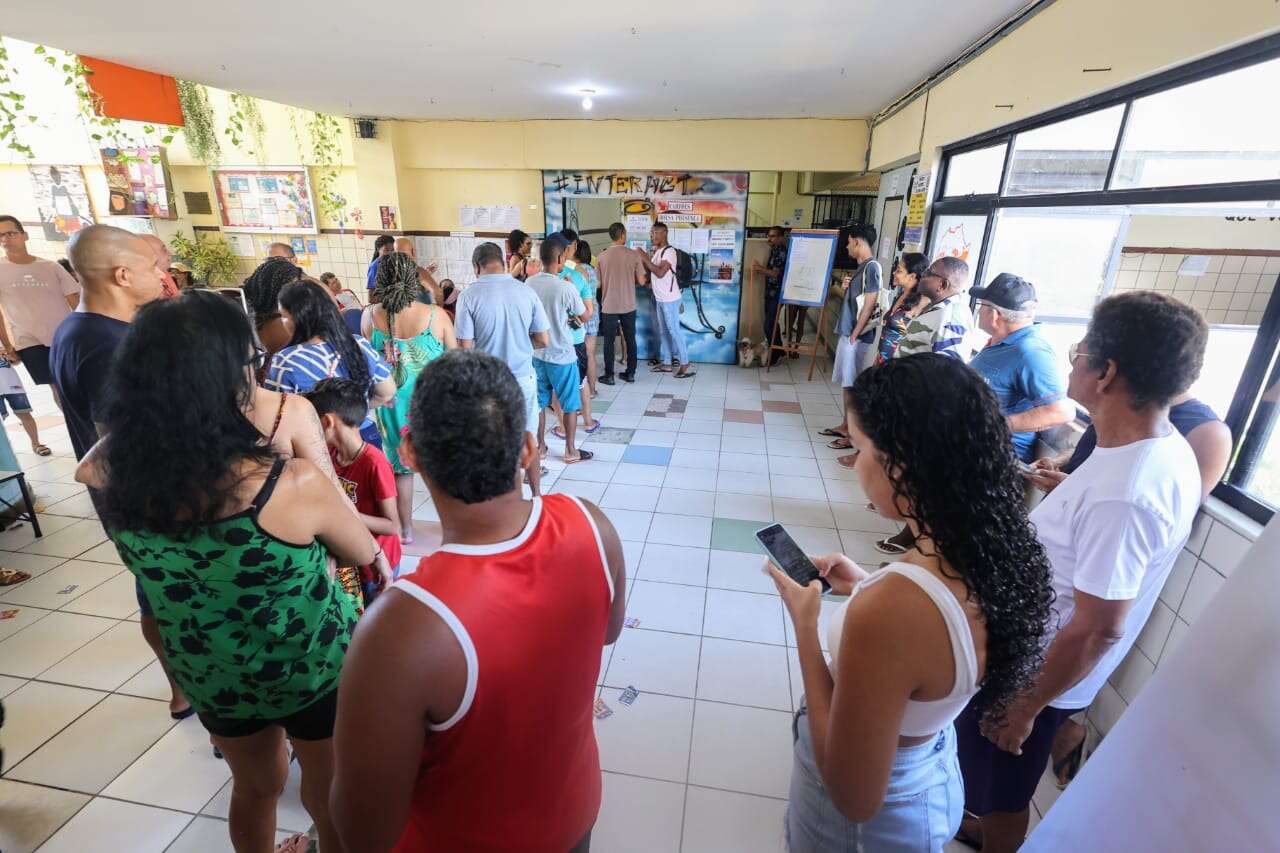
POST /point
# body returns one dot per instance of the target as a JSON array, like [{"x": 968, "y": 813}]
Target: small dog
[{"x": 750, "y": 355}]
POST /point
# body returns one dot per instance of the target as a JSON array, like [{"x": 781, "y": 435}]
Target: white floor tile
[
  {"x": 649, "y": 738},
  {"x": 697, "y": 441},
  {"x": 856, "y": 516},
  {"x": 37, "y": 711},
  {"x": 72, "y": 540},
  {"x": 673, "y": 563},
  {"x": 105, "y": 662},
  {"x": 59, "y": 586},
  {"x": 775, "y": 432},
  {"x": 666, "y": 606},
  {"x": 687, "y": 501},
  {"x": 98, "y": 746},
  {"x": 664, "y": 424},
  {"x": 104, "y": 553},
  {"x": 690, "y": 478},
  {"x": 815, "y": 540},
  {"x": 19, "y": 536},
  {"x": 593, "y": 492},
  {"x": 654, "y": 438},
  {"x": 782, "y": 447},
  {"x": 630, "y": 524},
  {"x": 179, "y": 772},
  {"x": 655, "y": 661},
  {"x": 604, "y": 452},
  {"x": 33, "y": 650},
  {"x": 25, "y": 617},
  {"x": 592, "y": 470},
  {"x": 744, "y": 616},
  {"x": 811, "y": 513},
  {"x": 623, "y": 496},
  {"x": 744, "y": 482},
  {"x": 670, "y": 529},
  {"x": 744, "y": 674},
  {"x": 748, "y": 462},
  {"x": 32, "y": 564},
  {"x": 32, "y": 813},
  {"x": 632, "y": 550},
  {"x": 639, "y": 816},
  {"x": 844, "y": 491},
  {"x": 741, "y": 430},
  {"x": 801, "y": 488},
  {"x": 633, "y": 474},
  {"x": 151, "y": 683},
  {"x": 78, "y": 505},
  {"x": 112, "y": 825},
  {"x": 741, "y": 749},
  {"x": 746, "y": 507},
  {"x": 739, "y": 571},
  {"x": 704, "y": 459},
  {"x": 8, "y": 684},
  {"x": 117, "y": 598},
  {"x": 726, "y": 822},
  {"x": 700, "y": 425},
  {"x": 793, "y": 466},
  {"x": 860, "y": 547},
  {"x": 742, "y": 444}
]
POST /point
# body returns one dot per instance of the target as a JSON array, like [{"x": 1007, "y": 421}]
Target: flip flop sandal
[
  {"x": 8, "y": 577},
  {"x": 840, "y": 443},
  {"x": 42, "y": 450},
  {"x": 831, "y": 432},
  {"x": 848, "y": 461},
  {"x": 583, "y": 456},
  {"x": 594, "y": 429},
  {"x": 887, "y": 546},
  {"x": 661, "y": 368},
  {"x": 1070, "y": 763},
  {"x": 558, "y": 432},
  {"x": 688, "y": 374}
]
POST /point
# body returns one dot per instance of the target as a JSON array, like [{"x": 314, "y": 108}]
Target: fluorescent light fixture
[{"x": 586, "y": 98}]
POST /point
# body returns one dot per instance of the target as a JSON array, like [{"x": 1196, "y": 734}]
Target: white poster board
[{"x": 810, "y": 256}]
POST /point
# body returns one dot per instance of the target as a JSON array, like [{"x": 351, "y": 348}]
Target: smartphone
[
  {"x": 788, "y": 556},
  {"x": 1024, "y": 469}
]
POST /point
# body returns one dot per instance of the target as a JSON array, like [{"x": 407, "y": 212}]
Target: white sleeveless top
[{"x": 925, "y": 718}]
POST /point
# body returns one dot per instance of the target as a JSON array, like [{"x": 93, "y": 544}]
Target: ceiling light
[{"x": 586, "y": 98}]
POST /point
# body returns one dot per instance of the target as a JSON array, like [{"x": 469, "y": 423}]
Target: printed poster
[
  {"x": 917, "y": 204},
  {"x": 62, "y": 199},
  {"x": 264, "y": 199},
  {"x": 138, "y": 182}
]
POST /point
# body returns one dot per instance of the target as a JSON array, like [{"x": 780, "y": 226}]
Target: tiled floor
[{"x": 699, "y": 763}]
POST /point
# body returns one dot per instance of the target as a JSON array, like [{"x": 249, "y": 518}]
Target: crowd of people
[{"x": 256, "y": 473}]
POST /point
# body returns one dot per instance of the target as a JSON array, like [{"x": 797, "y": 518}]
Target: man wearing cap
[{"x": 1018, "y": 363}]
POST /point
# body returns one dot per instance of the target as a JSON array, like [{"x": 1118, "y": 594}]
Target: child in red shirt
[{"x": 362, "y": 469}]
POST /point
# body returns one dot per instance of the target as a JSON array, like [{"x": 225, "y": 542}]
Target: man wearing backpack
[{"x": 666, "y": 296}]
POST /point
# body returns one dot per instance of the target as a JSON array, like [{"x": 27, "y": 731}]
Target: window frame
[{"x": 1265, "y": 345}]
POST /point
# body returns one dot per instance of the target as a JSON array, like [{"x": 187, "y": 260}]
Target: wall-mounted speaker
[{"x": 366, "y": 128}]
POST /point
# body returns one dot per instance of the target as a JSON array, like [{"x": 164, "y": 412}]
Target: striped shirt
[
  {"x": 942, "y": 327},
  {"x": 296, "y": 369}
]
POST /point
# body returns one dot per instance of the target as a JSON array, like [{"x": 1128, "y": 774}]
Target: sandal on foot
[
  {"x": 183, "y": 714},
  {"x": 848, "y": 461},
  {"x": 41, "y": 450},
  {"x": 661, "y": 368},
  {"x": 686, "y": 374},
  {"x": 591, "y": 430},
  {"x": 558, "y": 432},
  {"x": 840, "y": 443},
  {"x": 583, "y": 456},
  {"x": 833, "y": 433},
  {"x": 406, "y": 538},
  {"x": 8, "y": 577}
]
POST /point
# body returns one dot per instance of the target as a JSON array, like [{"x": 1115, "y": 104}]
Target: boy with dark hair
[
  {"x": 525, "y": 592},
  {"x": 363, "y": 471}
]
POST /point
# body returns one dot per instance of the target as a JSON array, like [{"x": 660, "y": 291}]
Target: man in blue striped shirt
[{"x": 946, "y": 323}]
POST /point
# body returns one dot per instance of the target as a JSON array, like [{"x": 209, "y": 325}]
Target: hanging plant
[
  {"x": 200, "y": 129},
  {"x": 210, "y": 258},
  {"x": 325, "y": 131},
  {"x": 245, "y": 126},
  {"x": 12, "y": 107}
]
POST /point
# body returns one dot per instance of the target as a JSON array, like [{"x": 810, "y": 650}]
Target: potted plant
[{"x": 211, "y": 260}]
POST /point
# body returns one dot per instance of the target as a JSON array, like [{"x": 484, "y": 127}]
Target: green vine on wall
[
  {"x": 12, "y": 106},
  {"x": 200, "y": 129},
  {"x": 325, "y": 132},
  {"x": 245, "y": 126}
]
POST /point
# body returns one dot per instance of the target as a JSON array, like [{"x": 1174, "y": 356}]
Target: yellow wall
[
  {"x": 1038, "y": 66},
  {"x": 430, "y": 198},
  {"x": 1202, "y": 232}
]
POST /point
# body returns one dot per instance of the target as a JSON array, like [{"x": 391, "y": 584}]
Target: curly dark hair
[
  {"x": 458, "y": 392},
  {"x": 315, "y": 315},
  {"x": 262, "y": 287},
  {"x": 396, "y": 286},
  {"x": 178, "y": 413},
  {"x": 1156, "y": 342},
  {"x": 938, "y": 432}
]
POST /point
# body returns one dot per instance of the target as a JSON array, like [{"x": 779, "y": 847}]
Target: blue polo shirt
[{"x": 1023, "y": 372}]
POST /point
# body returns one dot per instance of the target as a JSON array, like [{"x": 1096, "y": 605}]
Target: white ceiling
[{"x": 497, "y": 60}]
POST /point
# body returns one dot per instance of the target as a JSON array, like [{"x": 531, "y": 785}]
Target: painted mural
[{"x": 705, "y": 214}]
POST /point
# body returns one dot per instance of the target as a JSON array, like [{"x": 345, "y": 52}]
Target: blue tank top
[{"x": 1185, "y": 417}]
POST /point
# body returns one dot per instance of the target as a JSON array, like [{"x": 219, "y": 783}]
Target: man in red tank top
[{"x": 465, "y": 707}]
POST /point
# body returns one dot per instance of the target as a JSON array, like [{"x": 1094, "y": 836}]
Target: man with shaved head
[
  {"x": 282, "y": 250},
  {"x": 163, "y": 257},
  {"x": 119, "y": 272},
  {"x": 425, "y": 274}
]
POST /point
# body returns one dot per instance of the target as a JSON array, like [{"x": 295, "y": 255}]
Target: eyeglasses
[
  {"x": 5, "y": 235},
  {"x": 258, "y": 359},
  {"x": 1074, "y": 352}
]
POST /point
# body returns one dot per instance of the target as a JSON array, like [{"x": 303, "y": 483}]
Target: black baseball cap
[{"x": 1008, "y": 291}]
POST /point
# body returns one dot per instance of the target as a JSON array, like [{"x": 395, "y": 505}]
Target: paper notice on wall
[
  {"x": 917, "y": 203},
  {"x": 452, "y": 248},
  {"x": 484, "y": 217},
  {"x": 699, "y": 241},
  {"x": 638, "y": 225},
  {"x": 241, "y": 246},
  {"x": 722, "y": 238},
  {"x": 459, "y": 270},
  {"x": 1194, "y": 265},
  {"x": 467, "y": 216},
  {"x": 681, "y": 238},
  {"x": 422, "y": 246}
]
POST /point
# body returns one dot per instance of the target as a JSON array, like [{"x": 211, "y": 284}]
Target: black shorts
[
  {"x": 581, "y": 350},
  {"x": 314, "y": 722},
  {"x": 999, "y": 781},
  {"x": 36, "y": 359}
]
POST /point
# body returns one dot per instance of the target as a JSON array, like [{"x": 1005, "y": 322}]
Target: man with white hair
[{"x": 1019, "y": 363}]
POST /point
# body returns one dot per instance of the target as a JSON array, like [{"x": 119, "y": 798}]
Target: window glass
[
  {"x": 958, "y": 236},
  {"x": 1256, "y": 468},
  {"x": 1066, "y": 156},
  {"x": 975, "y": 172},
  {"x": 1211, "y": 131}
]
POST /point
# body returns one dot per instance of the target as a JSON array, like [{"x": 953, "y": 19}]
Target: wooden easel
[{"x": 800, "y": 348}]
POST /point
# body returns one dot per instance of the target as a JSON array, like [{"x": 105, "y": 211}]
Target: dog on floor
[{"x": 749, "y": 354}]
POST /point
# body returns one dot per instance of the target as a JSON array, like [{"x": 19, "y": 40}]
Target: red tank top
[{"x": 516, "y": 767}]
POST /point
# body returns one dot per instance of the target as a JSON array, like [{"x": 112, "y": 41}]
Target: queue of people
[{"x": 954, "y": 667}]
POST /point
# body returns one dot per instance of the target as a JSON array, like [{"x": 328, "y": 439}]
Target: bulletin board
[
  {"x": 138, "y": 182},
  {"x": 265, "y": 199},
  {"x": 810, "y": 256}
]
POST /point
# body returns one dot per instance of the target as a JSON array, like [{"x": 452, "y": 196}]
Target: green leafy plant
[
  {"x": 12, "y": 107},
  {"x": 210, "y": 258},
  {"x": 325, "y": 131},
  {"x": 200, "y": 128},
  {"x": 245, "y": 126}
]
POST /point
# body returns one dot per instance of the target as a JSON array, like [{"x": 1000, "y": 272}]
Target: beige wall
[
  {"x": 1038, "y": 66},
  {"x": 1203, "y": 232}
]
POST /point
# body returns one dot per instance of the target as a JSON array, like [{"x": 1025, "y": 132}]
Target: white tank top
[{"x": 925, "y": 718}]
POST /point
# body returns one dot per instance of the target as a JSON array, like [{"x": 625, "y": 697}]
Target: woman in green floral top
[{"x": 230, "y": 544}]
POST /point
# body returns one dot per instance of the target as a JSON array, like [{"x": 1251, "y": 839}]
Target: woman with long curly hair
[
  {"x": 321, "y": 347},
  {"x": 262, "y": 294},
  {"x": 410, "y": 335},
  {"x": 961, "y": 616},
  {"x": 229, "y": 542}
]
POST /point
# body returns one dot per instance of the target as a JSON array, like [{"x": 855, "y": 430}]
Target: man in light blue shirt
[
  {"x": 503, "y": 317},
  {"x": 1019, "y": 363}
]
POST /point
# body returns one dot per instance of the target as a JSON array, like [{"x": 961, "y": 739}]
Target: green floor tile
[
  {"x": 734, "y": 534},
  {"x": 598, "y": 406}
]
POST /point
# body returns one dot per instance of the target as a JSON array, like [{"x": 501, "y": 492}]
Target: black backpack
[{"x": 683, "y": 268}]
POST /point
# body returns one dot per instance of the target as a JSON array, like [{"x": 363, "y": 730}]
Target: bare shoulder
[{"x": 303, "y": 477}]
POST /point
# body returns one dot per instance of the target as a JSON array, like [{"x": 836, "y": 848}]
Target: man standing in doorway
[
  {"x": 666, "y": 297},
  {"x": 504, "y": 317},
  {"x": 120, "y": 274},
  {"x": 621, "y": 271},
  {"x": 35, "y": 296},
  {"x": 772, "y": 271}
]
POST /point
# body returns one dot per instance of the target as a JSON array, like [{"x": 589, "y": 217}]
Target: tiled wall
[
  {"x": 1218, "y": 541},
  {"x": 1234, "y": 288}
]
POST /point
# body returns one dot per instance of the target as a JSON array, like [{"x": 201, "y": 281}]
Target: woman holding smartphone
[{"x": 959, "y": 617}]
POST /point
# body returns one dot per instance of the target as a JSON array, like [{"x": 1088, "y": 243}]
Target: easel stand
[{"x": 799, "y": 347}]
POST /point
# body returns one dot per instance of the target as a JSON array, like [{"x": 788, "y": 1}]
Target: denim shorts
[
  {"x": 17, "y": 402},
  {"x": 922, "y": 805}
]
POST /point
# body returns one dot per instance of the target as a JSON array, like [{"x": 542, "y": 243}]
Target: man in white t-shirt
[
  {"x": 35, "y": 296},
  {"x": 666, "y": 296},
  {"x": 1112, "y": 531}
]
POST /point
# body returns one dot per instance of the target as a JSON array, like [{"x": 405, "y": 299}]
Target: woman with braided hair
[
  {"x": 409, "y": 335},
  {"x": 262, "y": 293}
]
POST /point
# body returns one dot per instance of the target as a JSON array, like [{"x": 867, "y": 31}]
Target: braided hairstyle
[
  {"x": 939, "y": 434},
  {"x": 396, "y": 286},
  {"x": 262, "y": 287}
]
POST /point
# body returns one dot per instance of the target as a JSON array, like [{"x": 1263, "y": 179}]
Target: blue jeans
[
  {"x": 670, "y": 335},
  {"x": 921, "y": 811}
]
